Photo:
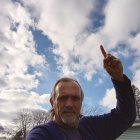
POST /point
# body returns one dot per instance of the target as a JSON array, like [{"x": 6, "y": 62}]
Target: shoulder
[
  {"x": 41, "y": 132},
  {"x": 90, "y": 121},
  {"x": 97, "y": 121},
  {"x": 91, "y": 126},
  {"x": 95, "y": 118},
  {"x": 44, "y": 127}
]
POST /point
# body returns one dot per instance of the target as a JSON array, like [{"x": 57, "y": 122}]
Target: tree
[
  {"x": 18, "y": 136},
  {"x": 89, "y": 110},
  {"x": 1, "y": 128},
  {"x": 26, "y": 119},
  {"x": 23, "y": 122},
  {"x": 39, "y": 117},
  {"x": 137, "y": 99}
]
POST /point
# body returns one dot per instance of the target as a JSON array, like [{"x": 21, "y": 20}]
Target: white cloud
[
  {"x": 135, "y": 68},
  {"x": 17, "y": 47},
  {"x": 109, "y": 100},
  {"x": 66, "y": 22},
  {"x": 136, "y": 78},
  {"x": 99, "y": 82},
  {"x": 121, "y": 18},
  {"x": 12, "y": 101},
  {"x": 136, "y": 72},
  {"x": 17, "y": 55}
]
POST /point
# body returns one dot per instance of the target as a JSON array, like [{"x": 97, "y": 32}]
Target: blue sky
[{"x": 41, "y": 41}]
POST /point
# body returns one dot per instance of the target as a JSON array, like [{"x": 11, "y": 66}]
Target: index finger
[{"x": 103, "y": 51}]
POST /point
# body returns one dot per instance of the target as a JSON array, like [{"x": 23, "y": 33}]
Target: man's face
[{"x": 67, "y": 103}]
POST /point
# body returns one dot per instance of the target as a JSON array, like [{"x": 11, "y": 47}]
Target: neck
[{"x": 66, "y": 125}]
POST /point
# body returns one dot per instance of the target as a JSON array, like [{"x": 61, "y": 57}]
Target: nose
[{"x": 69, "y": 102}]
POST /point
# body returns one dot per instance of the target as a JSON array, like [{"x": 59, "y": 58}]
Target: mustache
[{"x": 68, "y": 110}]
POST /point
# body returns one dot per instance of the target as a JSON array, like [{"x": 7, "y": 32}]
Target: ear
[{"x": 51, "y": 101}]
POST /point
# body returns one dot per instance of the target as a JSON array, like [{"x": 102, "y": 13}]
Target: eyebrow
[{"x": 69, "y": 96}]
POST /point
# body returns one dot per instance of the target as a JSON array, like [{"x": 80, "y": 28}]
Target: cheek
[
  {"x": 78, "y": 106},
  {"x": 58, "y": 107}
]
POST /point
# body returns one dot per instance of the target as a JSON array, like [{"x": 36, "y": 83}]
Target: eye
[
  {"x": 63, "y": 98},
  {"x": 75, "y": 98}
]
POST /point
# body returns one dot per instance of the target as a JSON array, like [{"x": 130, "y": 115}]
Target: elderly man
[{"x": 66, "y": 99}]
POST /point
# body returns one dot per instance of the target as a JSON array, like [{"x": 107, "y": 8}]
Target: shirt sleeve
[
  {"x": 111, "y": 125},
  {"x": 123, "y": 116},
  {"x": 39, "y": 133}
]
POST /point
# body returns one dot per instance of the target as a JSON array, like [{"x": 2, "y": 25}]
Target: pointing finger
[{"x": 103, "y": 51}]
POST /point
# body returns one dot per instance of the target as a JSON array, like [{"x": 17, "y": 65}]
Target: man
[{"x": 66, "y": 99}]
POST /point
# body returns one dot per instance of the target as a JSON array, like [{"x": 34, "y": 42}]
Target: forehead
[{"x": 66, "y": 87}]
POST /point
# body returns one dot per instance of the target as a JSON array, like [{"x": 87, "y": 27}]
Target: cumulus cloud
[
  {"x": 122, "y": 25},
  {"x": 121, "y": 18},
  {"x": 135, "y": 68},
  {"x": 13, "y": 101},
  {"x": 17, "y": 55},
  {"x": 67, "y": 23},
  {"x": 109, "y": 99},
  {"x": 17, "y": 48}
]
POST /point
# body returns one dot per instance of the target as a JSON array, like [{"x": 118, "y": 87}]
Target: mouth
[{"x": 69, "y": 113}]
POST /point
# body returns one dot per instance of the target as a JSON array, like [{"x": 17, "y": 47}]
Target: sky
[{"x": 41, "y": 41}]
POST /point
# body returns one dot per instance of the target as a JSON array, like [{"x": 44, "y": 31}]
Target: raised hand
[{"x": 112, "y": 65}]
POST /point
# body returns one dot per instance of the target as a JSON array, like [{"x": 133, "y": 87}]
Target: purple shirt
[
  {"x": 70, "y": 133},
  {"x": 103, "y": 127}
]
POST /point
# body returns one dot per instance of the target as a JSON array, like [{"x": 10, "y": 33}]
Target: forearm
[{"x": 125, "y": 109}]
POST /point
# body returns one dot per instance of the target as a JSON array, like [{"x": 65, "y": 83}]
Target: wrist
[{"x": 118, "y": 78}]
